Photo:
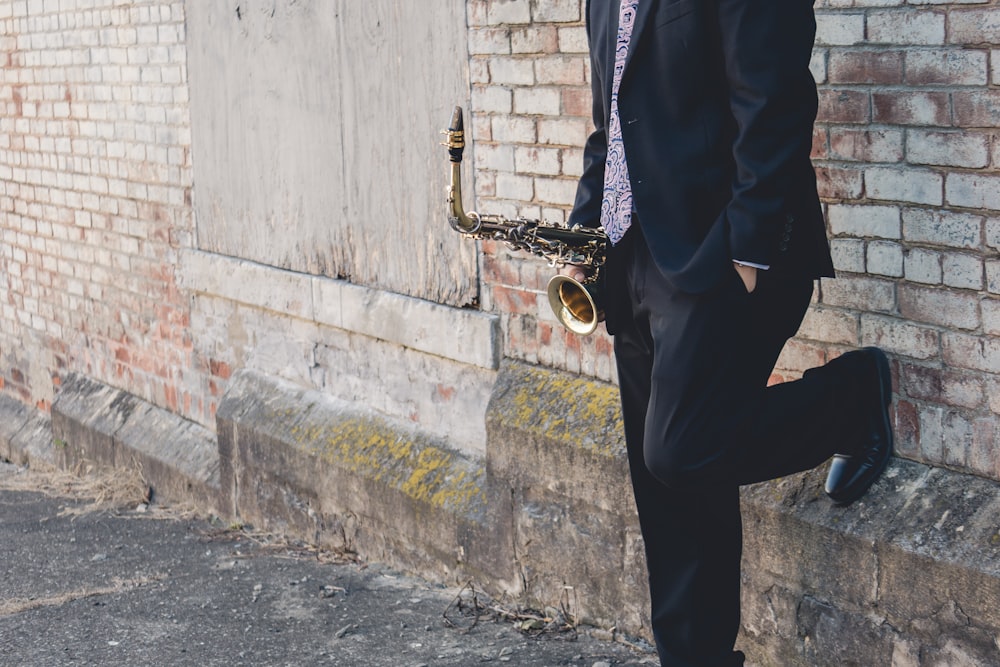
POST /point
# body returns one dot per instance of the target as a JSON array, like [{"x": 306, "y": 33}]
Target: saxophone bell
[{"x": 576, "y": 305}]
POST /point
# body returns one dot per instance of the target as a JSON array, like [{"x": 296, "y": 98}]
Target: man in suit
[{"x": 699, "y": 171}]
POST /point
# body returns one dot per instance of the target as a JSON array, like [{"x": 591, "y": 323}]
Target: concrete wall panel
[{"x": 315, "y": 138}]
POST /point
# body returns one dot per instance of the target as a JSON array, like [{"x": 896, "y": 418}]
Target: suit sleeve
[
  {"x": 590, "y": 191},
  {"x": 767, "y": 46}
]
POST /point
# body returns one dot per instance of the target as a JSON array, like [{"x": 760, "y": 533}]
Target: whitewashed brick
[
  {"x": 974, "y": 26},
  {"x": 859, "y": 292},
  {"x": 573, "y": 40},
  {"x": 486, "y": 41},
  {"x": 954, "y": 149},
  {"x": 993, "y": 233},
  {"x": 494, "y": 157},
  {"x": 491, "y": 99},
  {"x": 885, "y": 258},
  {"x": 969, "y": 351},
  {"x": 572, "y": 161},
  {"x": 991, "y": 318},
  {"x": 560, "y": 70},
  {"x": 946, "y": 228},
  {"x": 537, "y": 160},
  {"x": 538, "y": 101},
  {"x": 560, "y": 191},
  {"x": 508, "y": 11},
  {"x": 946, "y": 67},
  {"x": 839, "y": 29},
  {"x": 848, "y": 255},
  {"x": 962, "y": 271},
  {"x": 906, "y": 27},
  {"x": 479, "y": 71},
  {"x": 513, "y": 129},
  {"x": 993, "y": 276},
  {"x": 906, "y": 185},
  {"x": 864, "y": 221},
  {"x": 512, "y": 71},
  {"x": 511, "y": 186},
  {"x": 899, "y": 336},
  {"x": 830, "y": 325},
  {"x": 818, "y": 65},
  {"x": 556, "y": 11},
  {"x": 995, "y": 66},
  {"x": 974, "y": 190},
  {"x": 534, "y": 39},
  {"x": 564, "y": 131},
  {"x": 946, "y": 308}
]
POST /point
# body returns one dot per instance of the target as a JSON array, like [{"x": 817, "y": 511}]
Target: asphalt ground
[{"x": 91, "y": 578}]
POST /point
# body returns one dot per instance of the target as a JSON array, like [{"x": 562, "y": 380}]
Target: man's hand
[
  {"x": 577, "y": 273},
  {"x": 748, "y": 274}
]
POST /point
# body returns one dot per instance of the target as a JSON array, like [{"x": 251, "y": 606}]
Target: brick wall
[
  {"x": 907, "y": 146},
  {"x": 907, "y": 149},
  {"x": 531, "y": 115},
  {"x": 96, "y": 190},
  {"x": 95, "y": 194}
]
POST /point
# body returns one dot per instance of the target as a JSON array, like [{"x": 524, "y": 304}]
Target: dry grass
[
  {"x": 97, "y": 489},
  {"x": 19, "y": 605}
]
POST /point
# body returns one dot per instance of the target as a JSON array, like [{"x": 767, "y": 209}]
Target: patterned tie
[{"x": 616, "y": 205}]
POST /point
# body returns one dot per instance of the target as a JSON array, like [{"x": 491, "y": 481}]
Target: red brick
[
  {"x": 839, "y": 183},
  {"x": 900, "y": 337},
  {"x": 499, "y": 270},
  {"x": 907, "y": 423},
  {"x": 911, "y": 108},
  {"x": 799, "y": 356},
  {"x": 983, "y": 454},
  {"x": 949, "y": 67},
  {"x": 974, "y": 26},
  {"x": 541, "y": 39},
  {"x": 882, "y": 145},
  {"x": 864, "y": 293},
  {"x": 576, "y": 101},
  {"x": 955, "y": 388},
  {"x": 879, "y": 67},
  {"x": 977, "y": 108},
  {"x": 511, "y": 300},
  {"x": 820, "y": 144},
  {"x": 974, "y": 352},
  {"x": 843, "y": 106},
  {"x": 220, "y": 369},
  {"x": 944, "y": 307}
]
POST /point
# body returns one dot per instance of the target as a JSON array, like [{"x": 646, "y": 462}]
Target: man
[{"x": 699, "y": 171}]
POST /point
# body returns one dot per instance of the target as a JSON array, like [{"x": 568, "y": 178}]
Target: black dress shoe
[{"x": 851, "y": 475}]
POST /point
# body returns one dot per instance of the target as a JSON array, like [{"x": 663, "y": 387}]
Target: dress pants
[{"x": 700, "y": 421}]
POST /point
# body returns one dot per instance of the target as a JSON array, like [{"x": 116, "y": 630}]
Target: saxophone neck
[{"x": 458, "y": 218}]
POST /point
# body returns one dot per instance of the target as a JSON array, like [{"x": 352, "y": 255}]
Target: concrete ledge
[
  {"x": 555, "y": 446},
  {"x": 94, "y": 422},
  {"x": 909, "y": 575},
  {"x": 25, "y": 434},
  {"x": 299, "y": 461},
  {"x": 467, "y": 336}
]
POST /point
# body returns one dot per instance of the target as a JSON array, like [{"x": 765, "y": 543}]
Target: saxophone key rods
[{"x": 577, "y": 305}]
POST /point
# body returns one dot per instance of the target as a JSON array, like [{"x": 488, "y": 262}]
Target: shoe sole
[{"x": 885, "y": 393}]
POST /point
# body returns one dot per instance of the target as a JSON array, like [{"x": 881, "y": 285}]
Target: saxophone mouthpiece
[{"x": 456, "y": 136}]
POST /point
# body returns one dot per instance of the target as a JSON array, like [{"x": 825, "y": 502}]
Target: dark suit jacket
[{"x": 717, "y": 105}]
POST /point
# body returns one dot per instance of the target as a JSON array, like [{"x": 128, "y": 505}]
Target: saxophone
[{"x": 577, "y": 305}]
